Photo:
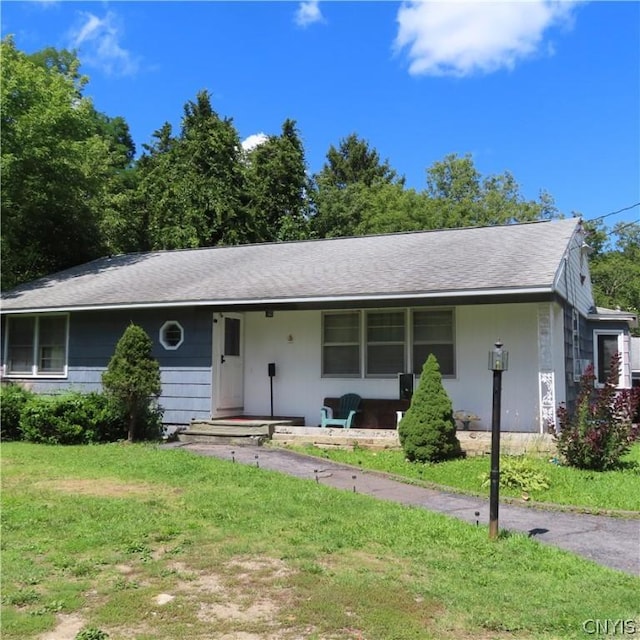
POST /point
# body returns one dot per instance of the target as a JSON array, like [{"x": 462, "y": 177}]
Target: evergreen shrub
[
  {"x": 132, "y": 380},
  {"x": 428, "y": 429}
]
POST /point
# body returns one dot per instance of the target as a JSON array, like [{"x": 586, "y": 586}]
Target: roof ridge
[{"x": 271, "y": 243}]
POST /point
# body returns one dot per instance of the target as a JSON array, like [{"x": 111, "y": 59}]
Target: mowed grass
[
  {"x": 161, "y": 544},
  {"x": 580, "y": 490}
]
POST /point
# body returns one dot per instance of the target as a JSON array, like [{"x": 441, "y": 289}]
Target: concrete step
[
  {"x": 236, "y": 429},
  {"x": 190, "y": 438}
]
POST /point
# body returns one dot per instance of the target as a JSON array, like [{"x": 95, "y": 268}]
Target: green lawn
[
  {"x": 160, "y": 544},
  {"x": 585, "y": 490}
]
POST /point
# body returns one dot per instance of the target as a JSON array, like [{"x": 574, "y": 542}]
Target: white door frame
[{"x": 228, "y": 368}]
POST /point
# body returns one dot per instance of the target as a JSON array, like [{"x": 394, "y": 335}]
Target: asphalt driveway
[{"x": 612, "y": 542}]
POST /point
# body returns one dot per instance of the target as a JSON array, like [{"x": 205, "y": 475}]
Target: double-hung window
[
  {"x": 433, "y": 332},
  {"x": 36, "y": 345},
  {"x": 341, "y": 344},
  {"x": 607, "y": 344},
  {"x": 385, "y": 343}
]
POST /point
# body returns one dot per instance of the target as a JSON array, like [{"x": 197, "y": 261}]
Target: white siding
[{"x": 292, "y": 339}]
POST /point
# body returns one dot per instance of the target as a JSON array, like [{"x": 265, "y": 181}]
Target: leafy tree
[
  {"x": 341, "y": 194},
  {"x": 428, "y": 429},
  {"x": 465, "y": 198},
  {"x": 354, "y": 161},
  {"x": 615, "y": 274},
  {"x": 190, "y": 188},
  {"x": 210, "y": 151},
  {"x": 276, "y": 187},
  {"x": 356, "y": 194},
  {"x": 54, "y": 163},
  {"x": 133, "y": 377}
]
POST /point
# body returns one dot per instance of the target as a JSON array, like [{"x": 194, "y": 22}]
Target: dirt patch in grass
[
  {"x": 102, "y": 488},
  {"x": 67, "y": 628},
  {"x": 242, "y": 597}
]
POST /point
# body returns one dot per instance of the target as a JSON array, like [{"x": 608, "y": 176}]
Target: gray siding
[
  {"x": 574, "y": 280},
  {"x": 185, "y": 372},
  {"x": 580, "y": 337}
]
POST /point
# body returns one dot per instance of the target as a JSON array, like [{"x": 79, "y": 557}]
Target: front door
[{"x": 230, "y": 364}]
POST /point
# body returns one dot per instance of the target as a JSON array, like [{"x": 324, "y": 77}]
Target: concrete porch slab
[{"x": 473, "y": 442}]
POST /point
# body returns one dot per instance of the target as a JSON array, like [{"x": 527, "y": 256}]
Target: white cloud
[
  {"x": 308, "y": 12},
  {"x": 464, "y": 38},
  {"x": 98, "y": 40},
  {"x": 254, "y": 140}
]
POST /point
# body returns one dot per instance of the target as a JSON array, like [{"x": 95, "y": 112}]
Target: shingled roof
[{"x": 522, "y": 258}]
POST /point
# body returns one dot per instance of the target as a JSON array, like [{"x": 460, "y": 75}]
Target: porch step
[{"x": 234, "y": 430}]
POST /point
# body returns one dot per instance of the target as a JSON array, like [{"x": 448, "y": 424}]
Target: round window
[{"x": 171, "y": 335}]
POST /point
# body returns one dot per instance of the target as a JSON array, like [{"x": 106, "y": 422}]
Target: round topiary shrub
[{"x": 428, "y": 429}]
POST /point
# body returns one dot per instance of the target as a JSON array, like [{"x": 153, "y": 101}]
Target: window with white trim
[
  {"x": 606, "y": 345},
  {"x": 385, "y": 343},
  {"x": 341, "y": 344},
  {"x": 171, "y": 335},
  {"x": 433, "y": 332},
  {"x": 36, "y": 345}
]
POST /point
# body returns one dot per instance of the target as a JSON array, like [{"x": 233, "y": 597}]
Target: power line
[
  {"x": 621, "y": 227},
  {"x": 613, "y": 213}
]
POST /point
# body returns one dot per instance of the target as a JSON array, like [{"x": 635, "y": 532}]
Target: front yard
[{"x": 150, "y": 543}]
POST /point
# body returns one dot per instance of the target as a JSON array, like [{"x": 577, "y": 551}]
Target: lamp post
[{"x": 498, "y": 362}]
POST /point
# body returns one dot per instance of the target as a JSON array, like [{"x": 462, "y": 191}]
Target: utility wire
[
  {"x": 613, "y": 213},
  {"x": 621, "y": 227}
]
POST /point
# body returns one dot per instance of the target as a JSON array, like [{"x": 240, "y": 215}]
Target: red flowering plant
[{"x": 600, "y": 431}]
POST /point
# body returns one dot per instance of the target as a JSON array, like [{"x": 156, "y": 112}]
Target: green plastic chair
[{"x": 349, "y": 406}]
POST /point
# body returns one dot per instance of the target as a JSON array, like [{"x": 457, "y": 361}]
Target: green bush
[
  {"x": 13, "y": 399},
  {"x": 132, "y": 379},
  {"x": 72, "y": 418},
  {"x": 520, "y": 473},
  {"x": 91, "y": 633},
  {"x": 600, "y": 431},
  {"x": 428, "y": 429}
]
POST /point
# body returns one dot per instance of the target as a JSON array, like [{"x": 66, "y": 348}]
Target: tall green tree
[
  {"x": 191, "y": 186},
  {"x": 615, "y": 273},
  {"x": 276, "y": 187},
  {"x": 343, "y": 187},
  {"x": 464, "y": 198},
  {"x": 355, "y": 161},
  {"x": 54, "y": 162}
]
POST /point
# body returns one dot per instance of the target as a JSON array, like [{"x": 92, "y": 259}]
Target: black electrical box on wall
[
  {"x": 272, "y": 369},
  {"x": 405, "y": 381}
]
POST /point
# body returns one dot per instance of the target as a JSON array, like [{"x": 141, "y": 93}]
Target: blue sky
[{"x": 547, "y": 90}]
